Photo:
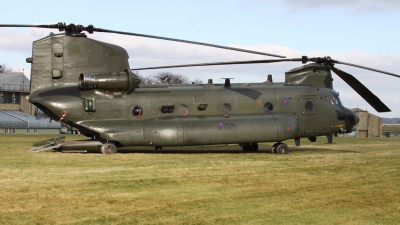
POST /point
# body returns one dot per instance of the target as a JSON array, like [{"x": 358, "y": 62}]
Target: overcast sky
[{"x": 359, "y": 32}]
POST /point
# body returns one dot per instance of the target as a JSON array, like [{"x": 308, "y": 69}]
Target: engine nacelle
[
  {"x": 311, "y": 74},
  {"x": 121, "y": 80}
]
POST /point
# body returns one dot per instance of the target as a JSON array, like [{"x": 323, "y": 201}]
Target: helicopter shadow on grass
[
  {"x": 217, "y": 149},
  {"x": 190, "y": 150},
  {"x": 214, "y": 150},
  {"x": 210, "y": 150},
  {"x": 316, "y": 149}
]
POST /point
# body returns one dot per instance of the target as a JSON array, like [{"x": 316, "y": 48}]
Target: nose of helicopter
[
  {"x": 352, "y": 119},
  {"x": 356, "y": 118}
]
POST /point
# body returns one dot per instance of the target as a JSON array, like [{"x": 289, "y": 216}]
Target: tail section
[{"x": 58, "y": 60}]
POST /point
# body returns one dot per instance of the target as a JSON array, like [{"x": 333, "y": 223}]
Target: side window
[
  {"x": 183, "y": 110},
  {"x": 336, "y": 100},
  {"x": 226, "y": 109},
  {"x": 137, "y": 111},
  {"x": 309, "y": 106},
  {"x": 202, "y": 107},
  {"x": 90, "y": 104},
  {"x": 268, "y": 107}
]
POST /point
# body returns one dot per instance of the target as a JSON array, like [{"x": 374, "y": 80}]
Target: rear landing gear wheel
[
  {"x": 274, "y": 147},
  {"x": 108, "y": 148},
  {"x": 282, "y": 148},
  {"x": 158, "y": 148},
  {"x": 250, "y": 147}
]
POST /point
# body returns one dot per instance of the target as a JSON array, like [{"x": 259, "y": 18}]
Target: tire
[
  {"x": 273, "y": 148},
  {"x": 108, "y": 148},
  {"x": 282, "y": 149}
]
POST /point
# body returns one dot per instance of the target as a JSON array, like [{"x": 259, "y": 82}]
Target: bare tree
[
  {"x": 170, "y": 78},
  {"x": 197, "y": 81},
  {"x": 166, "y": 78},
  {"x": 5, "y": 69}
]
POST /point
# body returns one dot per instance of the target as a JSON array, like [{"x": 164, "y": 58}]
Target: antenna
[{"x": 23, "y": 79}]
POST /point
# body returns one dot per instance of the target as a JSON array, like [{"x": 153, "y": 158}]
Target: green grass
[{"x": 353, "y": 181}]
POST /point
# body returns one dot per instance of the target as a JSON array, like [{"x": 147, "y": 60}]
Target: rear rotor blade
[
  {"x": 72, "y": 28},
  {"x": 186, "y": 41},
  {"x": 28, "y": 25},
  {"x": 222, "y": 63},
  {"x": 364, "y": 92}
]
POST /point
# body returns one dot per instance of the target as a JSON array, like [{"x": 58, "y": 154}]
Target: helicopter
[{"x": 89, "y": 85}]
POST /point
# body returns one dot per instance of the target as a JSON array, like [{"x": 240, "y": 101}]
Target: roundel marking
[{"x": 285, "y": 101}]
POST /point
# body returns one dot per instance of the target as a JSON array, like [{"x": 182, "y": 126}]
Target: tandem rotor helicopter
[{"x": 89, "y": 85}]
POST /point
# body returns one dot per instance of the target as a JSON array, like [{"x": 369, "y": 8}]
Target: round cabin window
[
  {"x": 183, "y": 110},
  {"x": 268, "y": 107},
  {"x": 226, "y": 109},
  {"x": 137, "y": 111},
  {"x": 309, "y": 106}
]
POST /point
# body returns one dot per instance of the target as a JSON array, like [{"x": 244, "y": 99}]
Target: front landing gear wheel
[
  {"x": 282, "y": 148},
  {"x": 108, "y": 148}
]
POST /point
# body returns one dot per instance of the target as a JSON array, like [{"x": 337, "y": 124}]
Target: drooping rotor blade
[
  {"x": 72, "y": 28},
  {"x": 221, "y": 63},
  {"x": 367, "y": 68},
  {"x": 364, "y": 92}
]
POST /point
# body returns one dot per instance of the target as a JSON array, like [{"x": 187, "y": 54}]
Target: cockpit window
[{"x": 336, "y": 100}]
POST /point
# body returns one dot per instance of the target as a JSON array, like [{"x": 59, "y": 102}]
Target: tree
[
  {"x": 170, "y": 78},
  {"x": 167, "y": 78},
  {"x": 5, "y": 69}
]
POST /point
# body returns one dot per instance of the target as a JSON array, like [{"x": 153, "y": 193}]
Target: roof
[
  {"x": 18, "y": 119},
  {"x": 358, "y": 110},
  {"x": 14, "y": 82}
]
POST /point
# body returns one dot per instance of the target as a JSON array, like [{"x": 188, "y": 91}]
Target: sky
[{"x": 362, "y": 32}]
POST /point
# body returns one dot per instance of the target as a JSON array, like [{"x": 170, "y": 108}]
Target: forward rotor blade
[
  {"x": 221, "y": 63},
  {"x": 366, "y": 94},
  {"x": 367, "y": 68}
]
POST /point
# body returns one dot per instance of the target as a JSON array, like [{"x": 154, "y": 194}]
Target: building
[
  {"x": 369, "y": 125},
  {"x": 14, "y": 92},
  {"x": 17, "y": 115},
  {"x": 17, "y": 122}
]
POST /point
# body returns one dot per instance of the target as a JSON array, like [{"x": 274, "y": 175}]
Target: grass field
[{"x": 353, "y": 181}]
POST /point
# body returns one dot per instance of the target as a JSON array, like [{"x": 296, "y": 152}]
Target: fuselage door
[{"x": 308, "y": 115}]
